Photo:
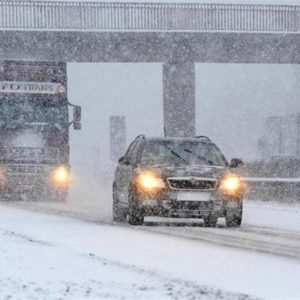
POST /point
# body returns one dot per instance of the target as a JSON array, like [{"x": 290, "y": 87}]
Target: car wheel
[
  {"x": 233, "y": 220},
  {"x": 135, "y": 217},
  {"x": 118, "y": 214},
  {"x": 210, "y": 221}
]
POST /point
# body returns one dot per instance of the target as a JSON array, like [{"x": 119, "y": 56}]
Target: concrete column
[{"x": 179, "y": 99}]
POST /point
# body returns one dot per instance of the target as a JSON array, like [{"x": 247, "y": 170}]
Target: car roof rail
[{"x": 203, "y": 137}]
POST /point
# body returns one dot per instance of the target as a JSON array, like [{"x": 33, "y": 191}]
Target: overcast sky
[
  {"x": 232, "y": 104},
  {"x": 232, "y": 100}
]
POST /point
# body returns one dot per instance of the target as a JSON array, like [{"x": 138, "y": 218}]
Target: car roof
[{"x": 179, "y": 139}]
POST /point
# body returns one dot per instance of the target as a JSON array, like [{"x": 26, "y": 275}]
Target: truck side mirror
[{"x": 77, "y": 117}]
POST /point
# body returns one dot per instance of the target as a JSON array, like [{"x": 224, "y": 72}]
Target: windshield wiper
[
  {"x": 176, "y": 154},
  {"x": 199, "y": 156}
]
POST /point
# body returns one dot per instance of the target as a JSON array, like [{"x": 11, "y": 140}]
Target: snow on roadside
[
  {"x": 284, "y": 216},
  {"x": 33, "y": 269},
  {"x": 176, "y": 259}
]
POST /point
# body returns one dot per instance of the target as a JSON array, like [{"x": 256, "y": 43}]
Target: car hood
[{"x": 187, "y": 171}]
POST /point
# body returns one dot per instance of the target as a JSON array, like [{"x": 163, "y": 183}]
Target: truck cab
[{"x": 34, "y": 130}]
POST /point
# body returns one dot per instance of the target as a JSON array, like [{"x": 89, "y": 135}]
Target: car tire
[
  {"x": 210, "y": 221},
  {"x": 233, "y": 220},
  {"x": 118, "y": 215},
  {"x": 135, "y": 217}
]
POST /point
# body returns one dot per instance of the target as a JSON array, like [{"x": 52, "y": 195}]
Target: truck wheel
[
  {"x": 210, "y": 221},
  {"x": 62, "y": 196},
  {"x": 233, "y": 220},
  {"x": 54, "y": 195}
]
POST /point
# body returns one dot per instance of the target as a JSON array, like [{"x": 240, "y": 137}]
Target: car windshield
[
  {"x": 23, "y": 112},
  {"x": 182, "y": 153}
]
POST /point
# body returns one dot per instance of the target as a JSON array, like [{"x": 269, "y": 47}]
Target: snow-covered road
[{"x": 79, "y": 257}]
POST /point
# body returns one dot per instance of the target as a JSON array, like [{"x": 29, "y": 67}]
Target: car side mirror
[
  {"x": 236, "y": 163},
  {"x": 76, "y": 117},
  {"x": 124, "y": 161}
]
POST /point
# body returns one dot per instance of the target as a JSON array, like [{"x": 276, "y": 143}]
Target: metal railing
[{"x": 89, "y": 16}]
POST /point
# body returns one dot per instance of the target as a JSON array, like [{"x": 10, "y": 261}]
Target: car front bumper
[{"x": 170, "y": 206}]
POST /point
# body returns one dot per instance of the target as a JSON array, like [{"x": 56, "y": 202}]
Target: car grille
[{"x": 192, "y": 183}]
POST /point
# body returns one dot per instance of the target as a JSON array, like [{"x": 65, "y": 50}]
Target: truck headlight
[
  {"x": 231, "y": 184},
  {"x": 150, "y": 181},
  {"x": 2, "y": 177},
  {"x": 60, "y": 175}
]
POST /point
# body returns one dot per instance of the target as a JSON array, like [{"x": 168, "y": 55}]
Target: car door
[{"x": 124, "y": 173}]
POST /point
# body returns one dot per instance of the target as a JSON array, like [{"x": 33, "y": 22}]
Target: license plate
[{"x": 190, "y": 196}]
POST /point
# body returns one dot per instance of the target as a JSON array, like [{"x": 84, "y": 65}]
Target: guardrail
[
  {"x": 272, "y": 180},
  {"x": 89, "y": 16},
  {"x": 268, "y": 189}
]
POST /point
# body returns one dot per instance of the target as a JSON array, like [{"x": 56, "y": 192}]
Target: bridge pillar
[{"x": 179, "y": 99}]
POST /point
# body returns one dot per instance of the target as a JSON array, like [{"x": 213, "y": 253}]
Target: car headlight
[
  {"x": 231, "y": 184},
  {"x": 150, "y": 181},
  {"x": 60, "y": 175}
]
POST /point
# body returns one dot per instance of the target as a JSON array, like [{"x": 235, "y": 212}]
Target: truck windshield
[
  {"x": 24, "y": 112},
  {"x": 182, "y": 153}
]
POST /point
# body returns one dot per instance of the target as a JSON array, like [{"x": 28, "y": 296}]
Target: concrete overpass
[{"x": 177, "y": 35}]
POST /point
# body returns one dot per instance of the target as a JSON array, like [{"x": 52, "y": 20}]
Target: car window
[
  {"x": 128, "y": 154},
  {"x": 132, "y": 152},
  {"x": 182, "y": 152}
]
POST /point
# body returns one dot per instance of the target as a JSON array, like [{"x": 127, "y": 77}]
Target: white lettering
[{"x": 31, "y": 87}]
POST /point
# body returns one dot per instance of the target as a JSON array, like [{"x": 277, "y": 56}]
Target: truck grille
[
  {"x": 23, "y": 168},
  {"x": 23, "y": 180},
  {"x": 192, "y": 183}
]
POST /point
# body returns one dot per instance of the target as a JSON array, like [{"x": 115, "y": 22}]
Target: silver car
[{"x": 177, "y": 177}]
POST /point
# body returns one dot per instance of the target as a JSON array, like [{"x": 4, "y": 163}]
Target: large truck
[
  {"x": 34, "y": 130},
  {"x": 281, "y": 137}
]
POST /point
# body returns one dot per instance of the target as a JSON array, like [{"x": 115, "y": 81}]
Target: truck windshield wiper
[
  {"x": 199, "y": 156},
  {"x": 176, "y": 154}
]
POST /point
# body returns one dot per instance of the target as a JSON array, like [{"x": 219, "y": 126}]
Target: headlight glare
[
  {"x": 60, "y": 175},
  {"x": 149, "y": 181},
  {"x": 231, "y": 184}
]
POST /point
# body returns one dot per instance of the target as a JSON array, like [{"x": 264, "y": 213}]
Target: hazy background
[{"x": 232, "y": 103}]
